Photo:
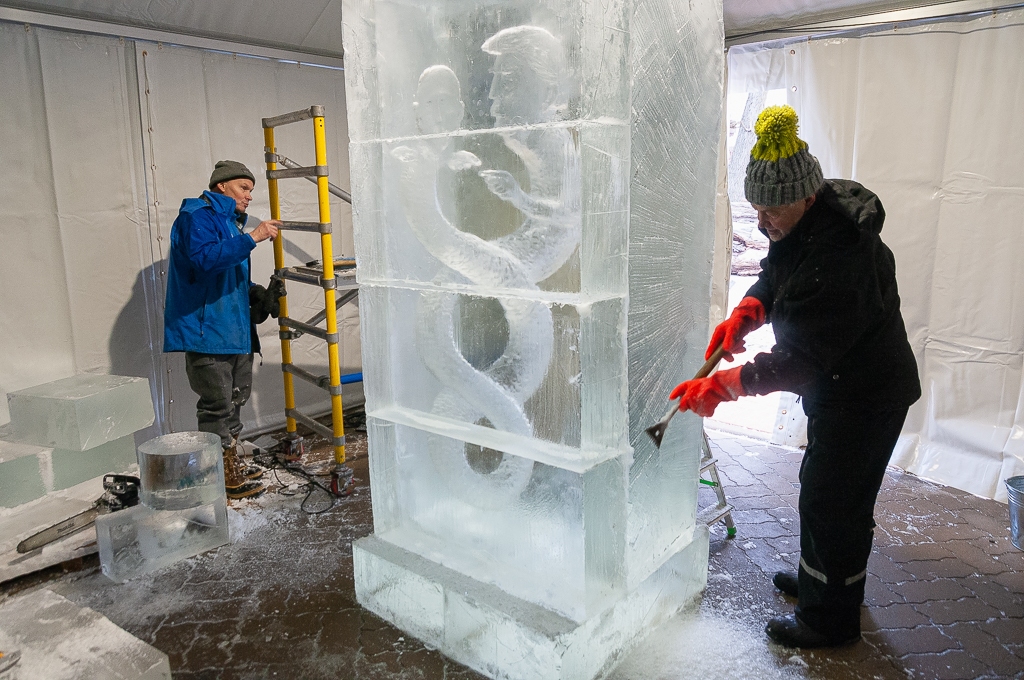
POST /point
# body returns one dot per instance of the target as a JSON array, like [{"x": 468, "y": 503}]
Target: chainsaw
[{"x": 119, "y": 492}]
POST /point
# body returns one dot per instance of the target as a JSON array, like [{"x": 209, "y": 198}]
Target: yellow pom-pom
[{"x": 776, "y": 134}]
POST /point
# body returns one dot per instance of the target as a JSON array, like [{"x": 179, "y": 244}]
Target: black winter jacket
[{"x": 829, "y": 291}]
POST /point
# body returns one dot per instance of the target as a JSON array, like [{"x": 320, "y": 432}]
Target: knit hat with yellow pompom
[{"x": 781, "y": 170}]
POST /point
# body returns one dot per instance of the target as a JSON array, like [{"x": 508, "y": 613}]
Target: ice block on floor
[
  {"x": 138, "y": 540},
  {"x": 59, "y": 639},
  {"x": 81, "y": 412},
  {"x": 181, "y": 470}
]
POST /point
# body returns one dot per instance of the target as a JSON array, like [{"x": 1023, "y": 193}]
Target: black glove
[
  {"x": 264, "y": 302},
  {"x": 258, "y": 309},
  {"x": 275, "y": 292}
]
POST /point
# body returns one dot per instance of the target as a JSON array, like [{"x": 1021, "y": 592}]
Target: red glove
[
  {"x": 748, "y": 316},
  {"x": 703, "y": 395}
]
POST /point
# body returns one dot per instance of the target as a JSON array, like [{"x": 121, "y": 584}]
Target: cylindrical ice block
[{"x": 181, "y": 470}]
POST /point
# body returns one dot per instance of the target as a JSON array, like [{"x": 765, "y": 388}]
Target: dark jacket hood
[{"x": 852, "y": 200}]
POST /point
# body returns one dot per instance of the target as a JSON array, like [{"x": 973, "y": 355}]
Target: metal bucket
[{"x": 1015, "y": 496}]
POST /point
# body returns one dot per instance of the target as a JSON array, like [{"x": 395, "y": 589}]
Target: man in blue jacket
[{"x": 207, "y": 311}]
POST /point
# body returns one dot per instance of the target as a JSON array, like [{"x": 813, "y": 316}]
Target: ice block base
[
  {"x": 138, "y": 540},
  {"x": 502, "y": 636}
]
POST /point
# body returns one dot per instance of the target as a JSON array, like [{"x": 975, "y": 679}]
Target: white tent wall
[
  {"x": 70, "y": 212},
  {"x": 928, "y": 117},
  {"x": 102, "y": 139}
]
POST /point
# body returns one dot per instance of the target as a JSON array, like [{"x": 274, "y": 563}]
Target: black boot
[
  {"x": 787, "y": 582},
  {"x": 789, "y": 631}
]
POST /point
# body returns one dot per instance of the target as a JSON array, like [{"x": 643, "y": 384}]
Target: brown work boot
[
  {"x": 249, "y": 469},
  {"x": 236, "y": 484}
]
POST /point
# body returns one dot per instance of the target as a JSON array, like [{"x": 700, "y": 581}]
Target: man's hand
[
  {"x": 266, "y": 229},
  {"x": 703, "y": 395},
  {"x": 748, "y": 316}
]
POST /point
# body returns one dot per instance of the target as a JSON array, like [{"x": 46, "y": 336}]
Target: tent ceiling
[
  {"x": 314, "y": 26},
  {"x": 310, "y": 26},
  {"x": 758, "y": 20},
  {"x": 748, "y": 16}
]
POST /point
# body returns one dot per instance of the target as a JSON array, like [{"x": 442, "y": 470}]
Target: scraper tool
[{"x": 657, "y": 431}]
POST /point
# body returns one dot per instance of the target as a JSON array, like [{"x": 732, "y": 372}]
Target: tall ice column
[{"x": 533, "y": 198}]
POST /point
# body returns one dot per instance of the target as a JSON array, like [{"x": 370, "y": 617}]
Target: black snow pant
[
  {"x": 848, "y": 448},
  {"x": 223, "y": 383}
]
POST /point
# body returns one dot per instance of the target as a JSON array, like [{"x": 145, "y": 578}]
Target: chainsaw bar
[
  {"x": 72, "y": 525},
  {"x": 119, "y": 492}
]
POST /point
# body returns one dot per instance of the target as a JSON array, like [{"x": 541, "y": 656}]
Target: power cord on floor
[{"x": 273, "y": 464}]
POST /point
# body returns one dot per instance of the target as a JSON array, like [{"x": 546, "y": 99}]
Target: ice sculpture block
[
  {"x": 28, "y": 472},
  {"x": 81, "y": 412},
  {"x": 183, "y": 511},
  {"x": 60, "y": 639},
  {"x": 533, "y": 203},
  {"x": 181, "y": 470},
  {"x": 138, "y": 540}
]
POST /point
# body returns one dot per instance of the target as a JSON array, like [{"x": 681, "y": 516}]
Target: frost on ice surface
[
  {"x": 80, "y": 412},
  {"x": 533, "y": 188},
  {"x": 181, "y": 470}
]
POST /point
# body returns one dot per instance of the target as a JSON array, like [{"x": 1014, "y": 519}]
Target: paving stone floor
[{"x": 945, "y": 592}]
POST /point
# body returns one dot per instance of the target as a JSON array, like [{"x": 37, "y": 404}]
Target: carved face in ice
[
  {"x": 438, "y": 104},
  {"x": 528, "y": 74}
]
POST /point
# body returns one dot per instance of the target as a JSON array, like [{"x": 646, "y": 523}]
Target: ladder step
[
  {"x": 321, "y": 381},
  {"x": 289, "y": 163},
  {"x": 316, "y": 111},
  {"x": 714, "y": 513},
  {"x": 319, "y": 428},
  {"x": 315, "y": 278},
  {"x": 706, "y": 465},
  {"x": 289, "y": 173},
  {"x": 308, "y": 329},
  {"x": 316, "y": 227}
]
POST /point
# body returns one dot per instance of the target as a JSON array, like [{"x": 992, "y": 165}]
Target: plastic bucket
[{"x": 1015, "y": 496}]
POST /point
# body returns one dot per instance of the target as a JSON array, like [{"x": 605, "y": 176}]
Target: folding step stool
[{"x": 721, "y": 510}]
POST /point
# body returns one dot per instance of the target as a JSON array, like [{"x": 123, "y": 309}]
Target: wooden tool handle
[{"x": 710, "y": 364}]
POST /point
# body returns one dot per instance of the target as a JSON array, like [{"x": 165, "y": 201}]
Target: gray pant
[{"x": 223, "y": 383}]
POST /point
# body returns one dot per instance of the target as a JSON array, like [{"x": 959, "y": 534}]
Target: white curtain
[
  {"x": 101, "y": 139},
  {"x": 929, "y": 118},
  {"x": 70, "y": 204}
]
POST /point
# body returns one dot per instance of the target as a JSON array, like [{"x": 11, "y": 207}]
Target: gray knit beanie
[
  {"x": 781, "y": 170},
  {"x": 226, "y": 171}
]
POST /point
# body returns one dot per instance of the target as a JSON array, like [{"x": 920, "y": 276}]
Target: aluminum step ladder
[{"x": 721, "y": 511}]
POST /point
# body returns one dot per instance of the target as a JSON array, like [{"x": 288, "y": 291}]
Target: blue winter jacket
[{"x": 207, "y": 306}]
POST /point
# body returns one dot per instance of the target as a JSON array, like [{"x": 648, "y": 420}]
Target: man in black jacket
[{"x": 828, "y": 286}]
